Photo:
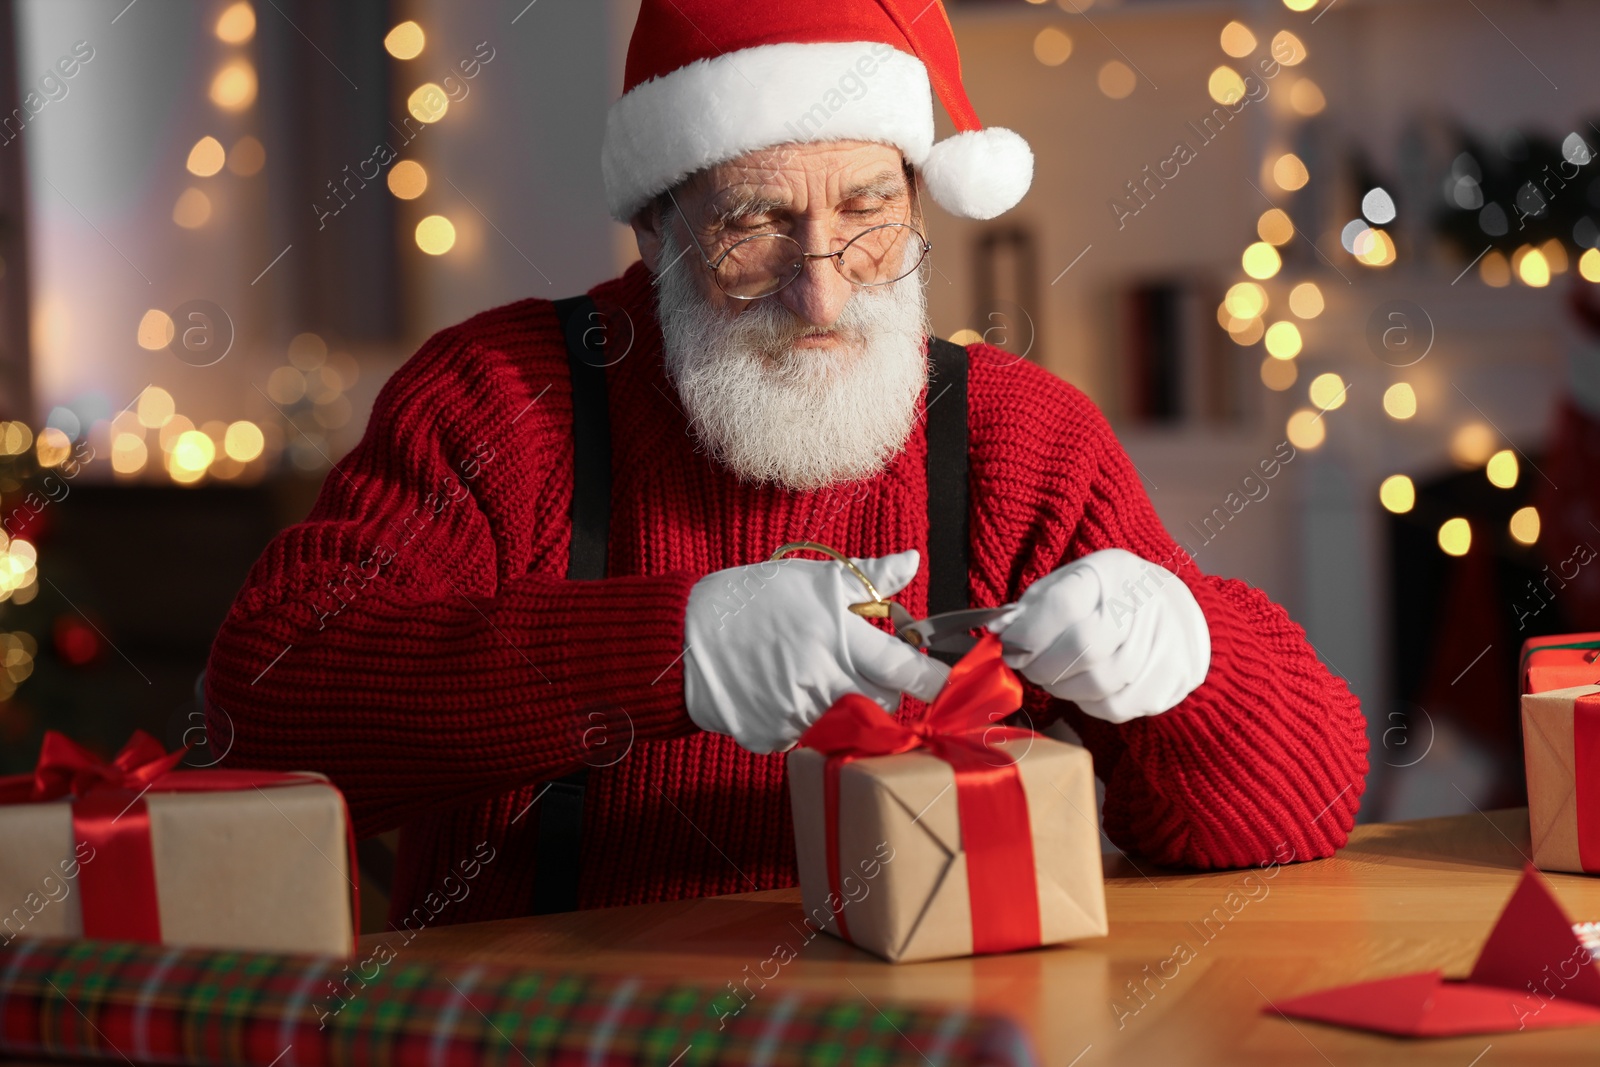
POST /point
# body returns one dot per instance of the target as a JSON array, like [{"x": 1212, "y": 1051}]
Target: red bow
[
  {"x": 109, "y": 815},
  {"x": 960, "y": 728}
]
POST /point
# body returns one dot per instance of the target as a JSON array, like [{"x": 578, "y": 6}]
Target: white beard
[{"x": 801, "y": 418}]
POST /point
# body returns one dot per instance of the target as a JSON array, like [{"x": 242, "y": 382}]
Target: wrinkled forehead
[{"x": 805, "y": 177}]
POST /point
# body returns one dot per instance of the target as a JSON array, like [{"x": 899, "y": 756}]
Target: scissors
[{"x": 948, "y": 631}]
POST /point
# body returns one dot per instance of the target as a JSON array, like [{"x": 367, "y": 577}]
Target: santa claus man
[{"x": 531, "y": 617}]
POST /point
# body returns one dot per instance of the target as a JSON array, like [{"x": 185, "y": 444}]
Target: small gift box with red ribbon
[
  {"x": 1561, "y": 753},
  {"x": 1560, "y": 662},
  {"x": 950, "y": 836},
  {"x": 140, "y": 849}
]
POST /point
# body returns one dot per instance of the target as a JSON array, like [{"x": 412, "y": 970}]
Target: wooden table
[{"x": 1399, "y": 897}]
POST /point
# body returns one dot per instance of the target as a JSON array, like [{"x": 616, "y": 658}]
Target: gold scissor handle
[{"x": 876, "y": 608}]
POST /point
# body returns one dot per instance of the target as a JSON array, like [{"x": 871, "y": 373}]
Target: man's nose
[{"x": 820, "y": 293}]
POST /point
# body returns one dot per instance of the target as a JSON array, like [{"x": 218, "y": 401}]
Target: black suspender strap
[
  {"x": 947, "y": 480},
  {"x": 558, "y": 859}
]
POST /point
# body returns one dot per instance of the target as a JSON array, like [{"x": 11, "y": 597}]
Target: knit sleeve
[
  {"x": 1266, "y": 760},
  {"x": 415, "y": 637}
]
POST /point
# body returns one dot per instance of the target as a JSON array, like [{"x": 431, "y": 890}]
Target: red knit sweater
[{"x": 416, "y": 640}]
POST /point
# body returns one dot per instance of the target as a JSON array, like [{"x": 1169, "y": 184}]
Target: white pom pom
[{"x": 980, "y": 173}]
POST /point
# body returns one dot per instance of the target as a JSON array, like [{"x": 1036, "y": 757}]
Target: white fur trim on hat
[
  {"x": 980, "y": 173},
  {"x": 714, "y": 110}
]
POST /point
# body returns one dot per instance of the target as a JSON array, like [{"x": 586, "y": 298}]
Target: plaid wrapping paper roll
[{"x": 127, "y": 1002}]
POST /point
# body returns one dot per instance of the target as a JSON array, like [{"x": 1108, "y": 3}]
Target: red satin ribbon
[
  {"x": 960, "y": 728},
  {"x": 1585, "y": 776},
  {"x": 118, "y": 889}
]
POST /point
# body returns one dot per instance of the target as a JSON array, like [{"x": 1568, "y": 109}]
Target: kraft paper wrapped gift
[
  {"x": 141, "y": 850},
  {"x": 1561, "y": 750},
  {"x": 1560, "y": 661},
  {"x": 910, "y": 860}
]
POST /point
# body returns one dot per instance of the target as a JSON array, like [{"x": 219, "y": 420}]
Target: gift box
[
  {"x": 138, "y": 849},
  {"x": 1560, "y": 661},
  {"x": 950, "y": 836},
  {"x": 1561, "y": 752}
]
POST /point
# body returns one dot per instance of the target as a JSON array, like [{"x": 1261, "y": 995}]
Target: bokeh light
[
  {"x": 1397, "y": 494},
  {"x": 1305, "y": 300},
  {"x": 1400, "y": 401},
  {"x": 1455, "y": 536},
  {"x": 436, "y": 235},
  {"x": 1502, "y": 469},
  {"x": 1305, "y": 429},
  {"x": 1052, "y": 46},
  {"x": 1525, "y": 525},
  {"x": 405, "y": 41}
]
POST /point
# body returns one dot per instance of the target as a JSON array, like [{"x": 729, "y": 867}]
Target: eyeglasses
[{"x": 762, "y": 264}]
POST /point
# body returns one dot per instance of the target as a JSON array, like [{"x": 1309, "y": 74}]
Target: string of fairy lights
[
  {"x": 1277, "y": 309},
  {"x": 152, "y": 438}
]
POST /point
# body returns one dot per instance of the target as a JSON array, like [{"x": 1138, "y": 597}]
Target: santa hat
[{"x": 709, "y": 80}]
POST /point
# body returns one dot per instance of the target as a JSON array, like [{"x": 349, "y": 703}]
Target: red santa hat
[{"x": 709, "y": 80}]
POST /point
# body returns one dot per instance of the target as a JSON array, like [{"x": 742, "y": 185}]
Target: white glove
[
  {"x": 769, "y": 647},
  {"x": 1117, "y": 635}
]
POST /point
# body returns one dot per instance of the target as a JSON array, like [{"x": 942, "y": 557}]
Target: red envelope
[{"x": 1532, "y": 973}]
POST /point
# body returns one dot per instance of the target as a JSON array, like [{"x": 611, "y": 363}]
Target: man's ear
[{"x": 646, "y": 224}]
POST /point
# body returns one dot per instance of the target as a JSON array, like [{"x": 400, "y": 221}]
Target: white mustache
[{"x": 800, "y": 419}]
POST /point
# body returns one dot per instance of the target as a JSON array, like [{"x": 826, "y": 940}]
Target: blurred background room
[{"x": 1330, "y": 268}]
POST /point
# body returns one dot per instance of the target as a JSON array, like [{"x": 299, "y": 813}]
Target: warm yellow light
[
  {"x": 1278, "y": 374},
  {"x": 1305, "y": 429},
  {"x": 1473, "y": 444},
  {"x": 1261, "y": 261},
  {"x": 243, "y": 441},
  {"x": 1494, "y": 270},
  {"x": 155, "y": 407},
  {"x": 405, "y": 41},
  {"x": 965, "y": 337},
  {"x": 1455, "y": 537},
  {"x": 1502, "y": 469},
  {"x": 1299, "y": 5},
  {"x": 1374, "y": 248},
  {"x": 1531, "y": 267},
  {"x": 1328, "y": 391},
  {"x": 1305, "y": 96},
  {"x": 1274, "y": 227},
  {"x": 18, "y": 439},
  {"x": 155, "y": 330},
  {"x": 427, "y": 103},
  {"x": 193, "y": 451},
  {"x": 1288, "y": 49},
  {"x": 1555, "y": 254},
  {"x": 1290, "y": 173},
  {"x": 1525, "y": 525},
  {"x": 1400, "y": 401},
  {"x": 174, "y": 428},
  {"x": 1237, "y": 40},
  {"x": 1246, "y": 300},
  {"x": 1397, "y": 494},
  {"x": 192, "y": 210},
  {"x": 247, "y": 157},
  {"x": 407, "y": 179},
  {"x": 1116, "y": 79},
  {"x": 1052, "y": 46},
  {"x": 1246, "y": 331},
  {"x": 128, "y": 454},
  {"x": 234, "y": 87},
  {"x": 436, "y": 235},
  {"x": 1305, "y": 300},
  {"x": 237, "y": 23},
  {"x": 1225, "y": 85},
  {"x": 1283, "y": 340},
  {"x": 206, "y": 157},
  {"x": 1589, "y": 265},
  {"x": 53, "y": 447}
]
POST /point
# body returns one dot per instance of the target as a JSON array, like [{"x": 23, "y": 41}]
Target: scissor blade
[{"x": 948, "y": 631}]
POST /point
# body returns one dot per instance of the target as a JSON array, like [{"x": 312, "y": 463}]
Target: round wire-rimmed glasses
[{"x": 761, "y": 264}]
